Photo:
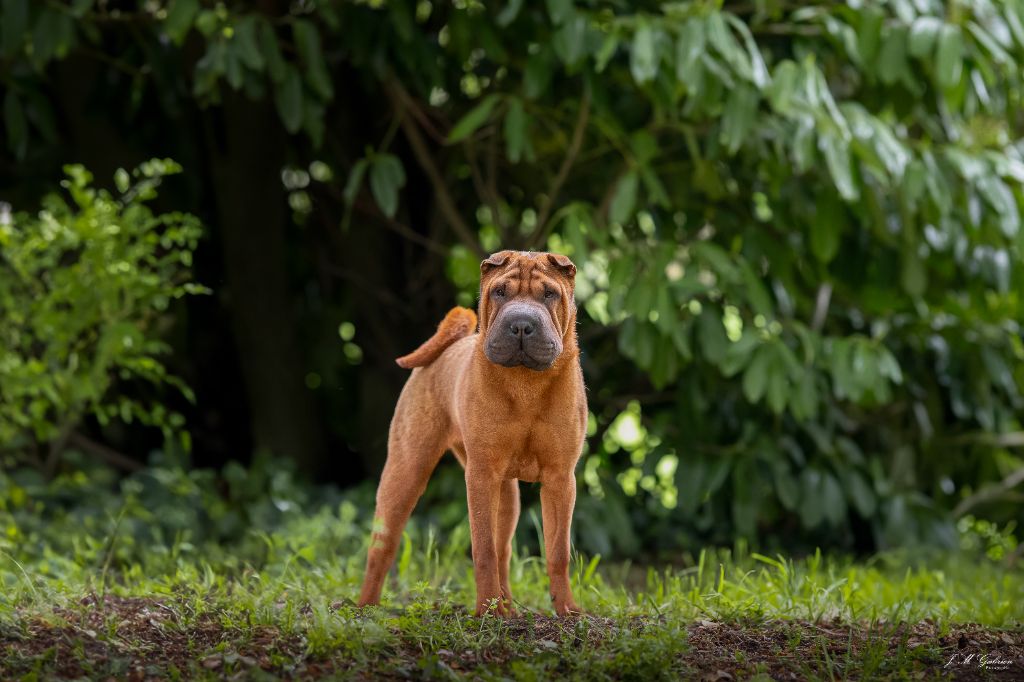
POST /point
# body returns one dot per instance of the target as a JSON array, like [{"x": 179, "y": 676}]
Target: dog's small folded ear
[
  {"x": 493, "y": 261},
  {"x": 564, "y": 265}
]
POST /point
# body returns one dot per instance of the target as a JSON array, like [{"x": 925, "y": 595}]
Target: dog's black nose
[{"x": 521, "y": 327}]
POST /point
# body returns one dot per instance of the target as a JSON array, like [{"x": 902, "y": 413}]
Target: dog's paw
[{"x": 568, "y": 609}]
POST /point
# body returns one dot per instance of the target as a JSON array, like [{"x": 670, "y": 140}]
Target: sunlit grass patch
[
  {"x": 283, "y": 606},
  {"x": 166, "y": 579}
]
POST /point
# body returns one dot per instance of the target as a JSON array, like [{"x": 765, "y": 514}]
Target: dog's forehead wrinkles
[
  {"x": 524, "y": 273},
  {"x": 534, "y": 274}
]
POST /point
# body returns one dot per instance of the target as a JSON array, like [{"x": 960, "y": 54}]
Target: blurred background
[{"x": 797, "y": 226}]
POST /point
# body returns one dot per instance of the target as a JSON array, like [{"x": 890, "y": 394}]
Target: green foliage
[
  {"x": 85, "y": 288},
  {"x": 797, "y": 225},
  {"x": 804, "y": 225}
]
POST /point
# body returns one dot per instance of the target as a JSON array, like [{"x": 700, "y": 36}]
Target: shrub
[{"x": 85, "y": 286}]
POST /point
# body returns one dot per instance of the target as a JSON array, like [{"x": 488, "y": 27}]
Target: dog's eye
[
  {"x": 549, "y": 294},
  {"x": 500, "y": 291}
]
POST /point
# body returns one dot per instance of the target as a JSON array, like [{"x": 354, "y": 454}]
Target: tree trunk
[{"x": 247, "y": 146}]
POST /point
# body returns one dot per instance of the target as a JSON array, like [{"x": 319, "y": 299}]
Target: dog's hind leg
[
  {"x": 415, "y": 444},
  {"x": 507, "y": 518}
]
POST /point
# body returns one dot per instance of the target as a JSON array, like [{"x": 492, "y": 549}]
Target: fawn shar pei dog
[{"x": 509, "y": 402}]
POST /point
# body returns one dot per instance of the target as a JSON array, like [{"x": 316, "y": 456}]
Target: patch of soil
[
  {"x": 147, "y": 638},
  {"x": 796, "y": 650},
  {"x": 136, "y": 638}
]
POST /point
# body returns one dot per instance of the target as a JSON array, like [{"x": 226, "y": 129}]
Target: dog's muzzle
[{"x": 522, "y": 336}]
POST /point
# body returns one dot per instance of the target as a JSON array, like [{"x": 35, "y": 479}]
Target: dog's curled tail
[{"x": 459, "y": 322}]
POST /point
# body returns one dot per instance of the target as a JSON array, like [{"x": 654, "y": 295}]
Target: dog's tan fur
[{"x": 504, "y": 424}]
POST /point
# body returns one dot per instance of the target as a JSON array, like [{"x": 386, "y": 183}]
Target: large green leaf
[
  {"x": 786, "y": 487},
  {"x": 1001, "y": 198},
  {"x": 860, "y": 494},
  {"x": 812, "y": 498},
  {"x": 246, "y": 42},
  {"x": 271, "y": 51},
  {"x": 892, "y": 59},
  {"x": 386, "y": 177},
  {"x": 52, "y": 35},
  {"x": 829, "y": 223},
  {"x": 354, "y": 181},
  {"x": 755, "y": 378},
  {"x": 739, "y": 116},
  {"x": 913, "y": 276},
  {"x": 805, "y": 400},
  {"x": 923, "y": 34},
  {"x": 689, "y": 47},
  {"x": 644, "y": 56},
  {"x": 307, "y": 40},
  {"x": 16, "y": 125},
  {"x": 758, "y": 69},
  {"x": 745, "y": 497},
  {"x": 778, "y": 381},
  {"x": 833, "y": 499},
  {"x": 869, "y": 33},
  {"x": 288, "y": 97},
  {"x": 14, "y": 26},
  {"x": 570, "y": 40},
  {"x": 949, "y": 56},
  {"x": 560, "y": 11},
  {"x": 475, "y": 118},
  {"x": 179, "y": 19},
  {"x": 623, "y": 202},
  {"x": 840, "y": 166},
  {"x": 691, "y": 478},
  {"x": 537, "y": 74},
  {"x": 516, "y": 129},
  {"x": 714, "y": 343}
]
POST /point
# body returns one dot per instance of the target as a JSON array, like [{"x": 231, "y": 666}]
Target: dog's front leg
[
  {"x": 557, "y": 497},
  {"x": 482, "y": 493}
]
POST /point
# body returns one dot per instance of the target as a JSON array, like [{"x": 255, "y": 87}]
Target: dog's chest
[
  {"x": 535, "y": 445},
  {"x": 524, "y": 465},
  {"x": 523, "y": 431}
]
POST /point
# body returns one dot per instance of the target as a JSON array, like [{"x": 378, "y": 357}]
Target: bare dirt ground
[{"x": 144, "y": 638}]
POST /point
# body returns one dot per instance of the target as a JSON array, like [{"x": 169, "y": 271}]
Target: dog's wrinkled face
[{"x": 526, "y": 307}]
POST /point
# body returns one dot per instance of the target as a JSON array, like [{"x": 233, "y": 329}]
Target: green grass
[{"x": 101, "y": 602}]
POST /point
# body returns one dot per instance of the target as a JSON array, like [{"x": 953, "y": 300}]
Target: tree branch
[
  {"x": 492, "y": 186},
  {"x": 483, "y": 189},
  {"x": 57, "y": 447},
  {"x": 383, "y": 295},
  {"x": 540, "y": 232},
  {"x": 107, "y": 454},
  {"x": 1012, "y": 439},
  {"x": 425, "y": 158},
  {"x": 401, "y": 229},
  {"x": 408, "y": 103},
  {"x": 990, "y": 492}
]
